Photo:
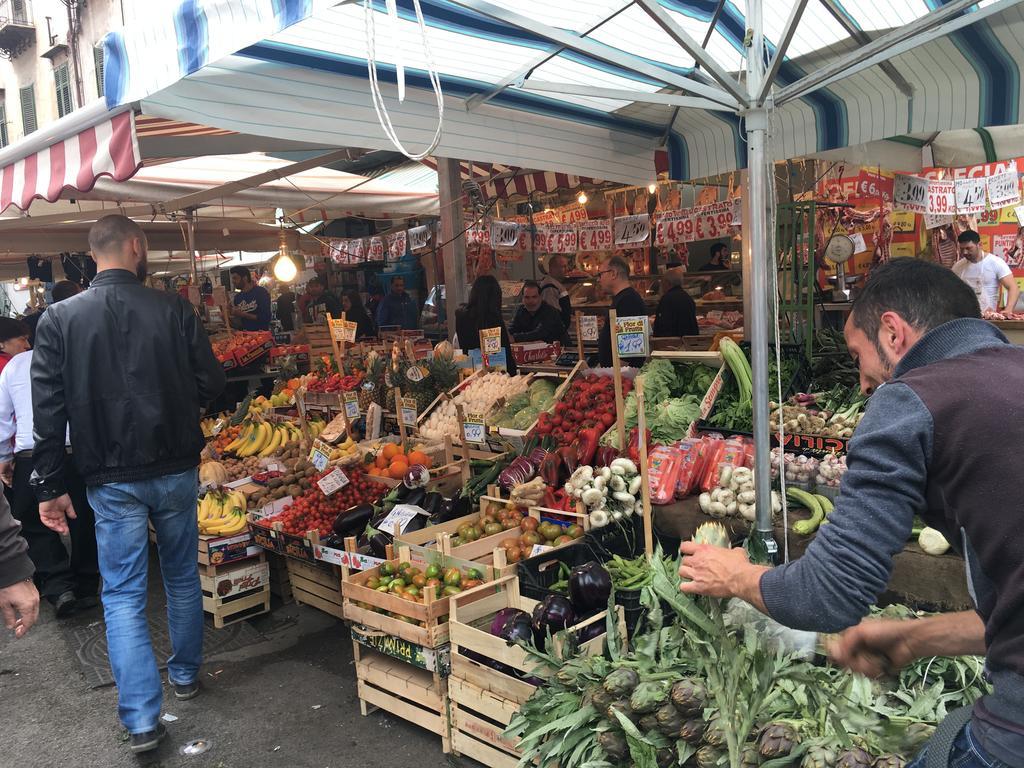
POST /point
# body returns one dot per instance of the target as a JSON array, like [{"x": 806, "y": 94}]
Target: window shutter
[
  {"x": 3, "y": 125},
  {"x": 28, "y": 109},
  {"x": 62, "y": 81},
  {"x": 97, "y": 57}
]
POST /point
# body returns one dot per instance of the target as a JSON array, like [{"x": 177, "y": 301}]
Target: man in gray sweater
[
  {"x": 942, "y": 438},
  {"x": 19, "y": 600}
]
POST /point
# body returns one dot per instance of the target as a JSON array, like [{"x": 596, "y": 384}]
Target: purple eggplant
[
  {"x": 352, "y": 521},
  {"x": 589, "y": 587},
  {"x": 501, "y": 618},
  {"x": 553, "y": 614},
  {"x": 589, "y": 632},
  {"x": 518, "y": 628}
]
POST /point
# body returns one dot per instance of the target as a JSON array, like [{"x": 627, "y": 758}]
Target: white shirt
[
  {"x": 983, "y": 277},
  {"x": 16, "y": 406}
]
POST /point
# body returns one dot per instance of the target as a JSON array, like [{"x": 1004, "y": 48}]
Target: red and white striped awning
[{"x": 109, "y": 148}]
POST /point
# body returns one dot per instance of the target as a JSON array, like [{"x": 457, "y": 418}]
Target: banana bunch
[
  {"x": 263, "y": 439},
  {"x": 222, "y": 513},
  {"x": 208, "y": 426},
  {"x": 345, "y": 449},
  {"x": 316, "y": 426}
]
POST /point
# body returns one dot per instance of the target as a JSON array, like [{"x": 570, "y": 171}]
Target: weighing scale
[{"x": 839, "y": 249}]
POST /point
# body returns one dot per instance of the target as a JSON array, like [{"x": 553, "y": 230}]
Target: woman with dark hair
[
  {"x": 13, "y": 339},
  {"x": 352, "y": 304},
  {"x": 483, "y": 310}
]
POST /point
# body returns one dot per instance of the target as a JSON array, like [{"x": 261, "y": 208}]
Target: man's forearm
[{"x": 948, "y": 634}]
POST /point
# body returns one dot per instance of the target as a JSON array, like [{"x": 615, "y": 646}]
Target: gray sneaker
[
  {"x": 147, "y": 741},
  {"x": 186, "y": 691}
]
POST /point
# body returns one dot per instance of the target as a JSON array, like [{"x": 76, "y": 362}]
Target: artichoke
[
  {"x": 621, "y": 682},
  {"x": 916, "y": 735},
  {"x": 648, "y": 723},
  {"x": 669, "y": 721},
  {"x": 819, "y": 756},
  {"x": 714, "y": 534},
  {"x": 692, "y": 731},
  {"x": 614, "y": 745},
  {"x": 647, "y": 697},
  {"x": 889, "y": 761},
  {"x": 750, "y": 757},
  {"x": 855, "y": 757},
  {"x": 709, "y": 757},
  {"x": 622, "y": 705},
  {"x": 777, "y": 740},
  {"x": 665, "y": 758},
  {"x": 600, "y": 698},
  {"x": 714, "y": 732},
  {"x": 688, "y": 696}
]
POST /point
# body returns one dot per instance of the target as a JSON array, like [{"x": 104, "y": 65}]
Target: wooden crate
[
  {"x": 402, "y": 690},
  {"x": 518, "y": 437},
  {"x": 280, "y": 583},
  {"x": 425, "y": 623},
  {"x": 242, "y": 601},
  {"x": 317, "y": 585},
  {"x": 482, "y": 699},
  {"x": 219, "y": 551}
]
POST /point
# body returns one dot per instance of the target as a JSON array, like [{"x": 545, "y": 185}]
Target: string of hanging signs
[{"x": 939, "y": 200}]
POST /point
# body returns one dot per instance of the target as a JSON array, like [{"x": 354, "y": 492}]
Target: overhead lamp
[
  {"x": 582, "y": 198},
  {"x": 284, "y": 267},
  {"x": 652, "y": 188}
]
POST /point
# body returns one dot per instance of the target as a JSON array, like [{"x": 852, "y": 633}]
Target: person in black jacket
[
  {"x": 536, "y": 320},
  {"x": 626, "y": 302},
  {"x": 352, "y": 304},
  {"x": 677, "y": 311},
  {"x": 483, "y": 310},
  {"x": 128, "y": 369}
]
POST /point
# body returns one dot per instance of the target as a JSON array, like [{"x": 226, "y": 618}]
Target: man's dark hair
[
  {"x": 531, "y": 284},
  {"x": 315, "y": 281},
  {"x": 65, "y": 289},
  {"x": 12, "y": 329},
  {"x": 619, "y": 265},
  {"x": 109, "y": 233},
  {"x": 968, "y": 236},
  {"x": 923, "y": 293},
  {"x": 718, "y": 247},
  {"x": 242, "y": 272}
]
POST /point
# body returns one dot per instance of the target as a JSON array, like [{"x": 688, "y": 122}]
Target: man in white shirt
[
  {"x": 65, "y": 582},
  {"x": 985, "y": 273}
]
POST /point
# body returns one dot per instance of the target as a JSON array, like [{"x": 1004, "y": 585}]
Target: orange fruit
[
  {"x": 382, "y": 460},
  {"x": 390, "y": 451},
  {"x": 419, "y": 457},
  {"x": 398, "y": 469}
]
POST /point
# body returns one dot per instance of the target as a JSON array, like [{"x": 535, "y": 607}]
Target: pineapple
[{"x": 714, "y": 534}]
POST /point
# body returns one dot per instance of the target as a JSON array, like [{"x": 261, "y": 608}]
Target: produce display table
[{"x": 933, "y": 582}]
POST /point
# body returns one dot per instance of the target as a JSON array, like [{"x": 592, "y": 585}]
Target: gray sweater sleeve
[
  {"x": 15, "y": 565},
  {"x": 849, "y": 562}
]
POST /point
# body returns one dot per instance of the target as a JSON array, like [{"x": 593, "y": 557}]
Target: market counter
[
  {"x": 918, "y": 579},
  {"x": 1013, "y": 330}
]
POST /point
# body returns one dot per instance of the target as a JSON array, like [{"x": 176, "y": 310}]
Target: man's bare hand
[
  {"x": 19, "y": 604},
  {"x": 874, "y": 648},
  {"x": 7, "y": 472},
  {"x": 55, "y": 513},
  {"x": 718, "y": 572}
]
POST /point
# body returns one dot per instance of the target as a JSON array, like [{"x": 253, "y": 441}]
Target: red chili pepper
[
  {"x": 569, "y": 457},
  {"x": 587, "y": 445}
]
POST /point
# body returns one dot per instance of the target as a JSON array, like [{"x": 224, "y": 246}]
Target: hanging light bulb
[
  {"x": 652, "y": 188},
  {"x": 284, "y": 267},
  {"x": 582, "y": 198}
]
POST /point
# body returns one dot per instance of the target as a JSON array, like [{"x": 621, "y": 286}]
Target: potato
[{"x": 294, "y": 491}]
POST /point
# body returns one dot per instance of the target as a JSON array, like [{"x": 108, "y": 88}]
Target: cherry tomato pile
[
  {"x": 314, "y": 511},
  {"x": 589, "y": 403}
]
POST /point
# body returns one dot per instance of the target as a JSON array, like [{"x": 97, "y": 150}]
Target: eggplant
[
  {"x": 501, "y": 618},
  {"x": 591, "y": 631},
  {"x": 589, "y": 587},
  {"x": 553, "y": 614},
  {"x": 432, "y": 503},
  {"x": 352, "y": 521},
  {"x": 443, "y": 513},
  {"x": 417, "y": 523},
  {"x": 379, "y": 542},
  {"x": 517, "y": 626},
  {"x": 460, "y": 507},
  {"x": 399, "y": 493},
  {"x": 415, "y": 497}
]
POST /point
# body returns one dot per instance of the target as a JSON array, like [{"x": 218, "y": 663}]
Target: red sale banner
[{"x": 596, "y": 235}]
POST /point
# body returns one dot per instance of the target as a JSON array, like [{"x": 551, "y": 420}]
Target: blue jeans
[
  {"x": 122, "y": 537},
  {"x": 966, "y": 753}
]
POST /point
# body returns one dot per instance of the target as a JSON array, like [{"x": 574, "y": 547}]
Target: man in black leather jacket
[{"x": 128, "y": 369}]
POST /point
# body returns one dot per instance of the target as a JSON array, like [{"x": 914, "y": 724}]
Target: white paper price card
[
  {"x": 539, "y": 549},
  {"x": 596, "y": 235},
  {"x": 320, "y": 455},
  {"x": 490, "y": 340},
  {"x": 409, "y": 414},
  {"x": 588, "y": 327},
  {"x": 1004, "y": 189},
  {"x": 401, "y": 515},
  {"x": 970, "y": 195},
  {"x": 271, "y": 509},
  {"x": 504, "y": 234},
  {"x": 344, "y": 330},
  {"x": 415, "y": 373},
  {"x": 941, "y": 197},
  {"x": 631, "y": 336},
  {"x": 632, "y": 229},
  {"x": 910, "y": 193},
  {"x": 333, "y": 481},
  {"x": 351, "y": 405},
  {"x": 474, "y": 428}
]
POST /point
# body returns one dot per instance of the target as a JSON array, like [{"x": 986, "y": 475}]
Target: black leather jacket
[{"x": 127, "y": 367}]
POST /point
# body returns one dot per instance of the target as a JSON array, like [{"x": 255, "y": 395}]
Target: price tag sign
[
  {"x": 632, "y": 336},
  {"x": 401, "y": 515},
  {"x": 931, "y": 220},
  {"x": 352, "y": 560},
  {"x": 710, "y": 221},
  {"x": 859, "y": 246},
  {"x": 588, "y": 327},
  {"x": 596, "y": 235},
  {"x": 409, "y": 414},
  {"x": 632, "y": 229},
  {"x": 333, "y": 481},
  {"x": 540, "y": 549},
  {"x": 271, "y": 509},
  {"x": 396, "y": 245},
  {"x": 911, "y": 193},
  {"x": 474, "y": 428},
  {"x": 320, "y": 455},
  {"x": 351, "y": 404},
  {"x": 970, "y": 195},
  {"x": 1004, "y": 189},
  {"x": 673, "y": 227},
  {"x": 504, "y": 234},
  {"x": 418, "y": 238},
  {"x": 416, "y": 373},
  {"x": 490, "y": 341},
  {"x": 941, "y": 198},
  {"x": 557, "y": 238},
  {"x": 344, "y": 330}
]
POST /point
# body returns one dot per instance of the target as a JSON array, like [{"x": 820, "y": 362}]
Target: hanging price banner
[
  {"x": 474, "y": 428},
  {"x": 673, "y": 227},
  {"x": 333, "y": 481},
  {"x": 970, "y": 195},
  {"x": 588, "y": 327},
  {"x": 557, "y": 238},
  {"x": 910, "y": 193},
  {"x": 357, "y": 251},
  {"x": 941, "y": 198},
  {"x": 933, "y": 220},
  {"x": 1004, "y": 189},
  {"x": 712, "y": 221},
  {"x": 409, "y": 414},
  {"x": 632, "y": 229},
  {"x": 396, "y": 245},
  {"x": 737, "y": 211},
  {"x": 351, "y": 400},
  {"x": 596, "y": 235},
  {"x": 419, "y": 238},
  {"x": 376, "y": 249},
  {"x": 631, "y": 336},
  {"x": 504, "y": 234},
  {"x": 490, "y": 341},
  {"x": 478, "y": 236}
]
